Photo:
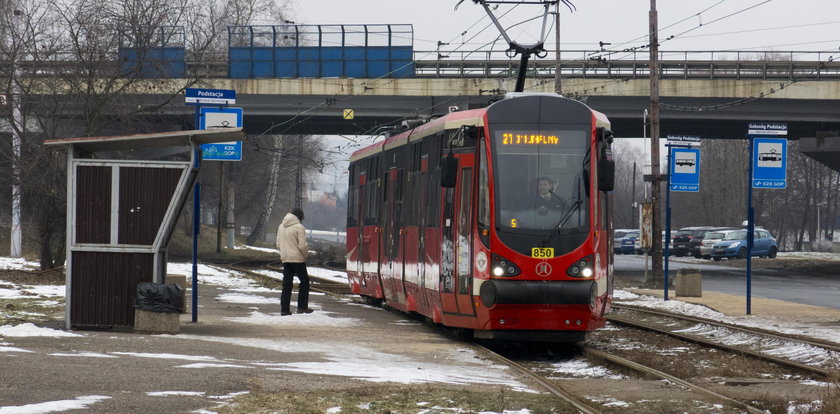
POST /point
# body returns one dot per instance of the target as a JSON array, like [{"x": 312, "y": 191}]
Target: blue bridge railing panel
[
  {"x": 321, "y": 51},
  {"x": 159, "y": 52}
]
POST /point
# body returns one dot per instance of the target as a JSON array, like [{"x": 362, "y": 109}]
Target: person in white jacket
[{"x": 291, "y": 241}]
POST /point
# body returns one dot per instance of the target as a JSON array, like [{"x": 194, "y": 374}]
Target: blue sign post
[
  {"x": 768, "y": 169},
  {"x": 198, "y": 97},
  {"x": 683, "y": 175}
]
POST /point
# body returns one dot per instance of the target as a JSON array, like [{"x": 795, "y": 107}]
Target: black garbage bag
[{"x": 158, "y": 297}]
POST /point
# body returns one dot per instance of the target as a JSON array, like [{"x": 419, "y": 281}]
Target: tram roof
[{"x": 452, "y": 120}]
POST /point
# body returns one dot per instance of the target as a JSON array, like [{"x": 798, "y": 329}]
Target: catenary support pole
[{"x": 656, "y": 272}]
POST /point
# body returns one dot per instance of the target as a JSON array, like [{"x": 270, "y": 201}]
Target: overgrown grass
[
  {"x": 23, "y": 310},
  {"x": 392, "y": 399}
]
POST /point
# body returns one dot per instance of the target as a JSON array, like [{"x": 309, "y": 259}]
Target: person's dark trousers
[{"x": 290, "y": 270}]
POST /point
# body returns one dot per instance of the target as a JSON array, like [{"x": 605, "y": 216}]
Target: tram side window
[
  {"x": 483, "y": 196},
  {"x": 433, "y": 148},
  {"x": 353, "y": 194},
  {"x": 372, "y": 192}
]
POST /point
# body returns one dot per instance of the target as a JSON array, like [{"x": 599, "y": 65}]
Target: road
[{"x": 789, "y": 284}]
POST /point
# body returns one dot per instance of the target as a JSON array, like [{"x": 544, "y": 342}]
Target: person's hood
[{"x": 290, "y": 220}]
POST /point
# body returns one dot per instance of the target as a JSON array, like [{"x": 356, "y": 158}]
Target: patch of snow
[
  {"x": 30, "y": 330},
  {"x": 619, "y": 294},
  {"x": 580, "y": 368},
  {"x": 17, "y": 263},
  {"x": 208, "y": 365},
  {"x": 4, "y": 348},
  {"x": 243, "y": 298},
  {"x": 169, "y": 356},
  {"x": 17, "y": 291},
  {"x": 319, "y": 318},
  {"x": 796, "y": 408},
  {"x": 78, "y": 403},
  {"x": 84, "y": 354},
  {"x": 372, "y": 365},
  {"x": 174, "y": 393},
  {"x": 259, "y": 249}
]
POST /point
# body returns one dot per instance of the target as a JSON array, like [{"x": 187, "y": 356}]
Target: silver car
[{"x": 710, "y": 239}]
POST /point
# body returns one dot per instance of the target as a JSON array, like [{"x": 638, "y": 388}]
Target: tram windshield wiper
[{"x": 566, "y": 216}]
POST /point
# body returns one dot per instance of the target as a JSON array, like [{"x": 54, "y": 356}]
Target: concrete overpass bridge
[{"x": 711, "y": 94}]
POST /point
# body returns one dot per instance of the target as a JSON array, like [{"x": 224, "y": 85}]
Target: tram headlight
[
  {"x": 582, "y": 268},
  {"x": 503, "y": 267}
]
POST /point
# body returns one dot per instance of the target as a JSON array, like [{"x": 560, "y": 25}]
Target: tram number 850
[{"x": 542, "y": 252}]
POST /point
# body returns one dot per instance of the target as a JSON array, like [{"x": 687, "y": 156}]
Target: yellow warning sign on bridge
[{"x": 348, "y": 114}]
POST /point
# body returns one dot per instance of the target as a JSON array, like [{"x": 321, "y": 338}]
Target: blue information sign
[
  {"x": 210, "y": 96},
  {"x": 221, "y": 117},
  {"x": 769, "y": 163},
  {"x": 685, "y": 169}
]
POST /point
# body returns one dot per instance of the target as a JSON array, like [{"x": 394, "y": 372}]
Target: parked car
[
  {"x": 684, "y": 237},
  {"x": 697, "y": 240},
  {"x": 637, "y": 245},
  {"x": 709, "y": 241},
  {"x": 734, "y": 245},
  {"x": 628, "y": 242},
  {"x": 618, "y": 235}
]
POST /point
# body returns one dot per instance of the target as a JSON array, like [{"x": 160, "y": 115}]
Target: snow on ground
[
  {"x": 30, "y": 330},
  {"x": 580, "y": 368},
  {"x": 11, "y": 263},
  {"x": 79, "y": 403},
  {"x": 805, "y": 352}
]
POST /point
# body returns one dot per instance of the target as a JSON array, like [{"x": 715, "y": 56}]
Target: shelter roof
[{"x": 158, "y": 139}]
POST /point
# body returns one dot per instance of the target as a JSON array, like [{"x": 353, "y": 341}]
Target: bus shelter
[{"x": 124, "y": 195}]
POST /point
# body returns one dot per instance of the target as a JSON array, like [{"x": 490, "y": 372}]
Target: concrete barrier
[
  {"x": 689, "y": 283},
  {"x": 156, "y": 322}
]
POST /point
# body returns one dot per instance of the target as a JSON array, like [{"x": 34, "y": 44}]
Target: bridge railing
[
  {"x": 788, "y": 65},
  {"x": 775, "y": 65}
]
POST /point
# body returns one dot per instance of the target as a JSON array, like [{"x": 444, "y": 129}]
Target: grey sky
[{"x": 699, "y": 25}]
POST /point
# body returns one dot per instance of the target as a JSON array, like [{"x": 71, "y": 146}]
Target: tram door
[
  {"x": 392, "y": 269},
  {"x": 361, "y": 247},
  {"x": 456, "y": 277}
]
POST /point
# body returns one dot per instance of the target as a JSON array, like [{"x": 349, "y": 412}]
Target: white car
[{"x": 710, "y": 239}]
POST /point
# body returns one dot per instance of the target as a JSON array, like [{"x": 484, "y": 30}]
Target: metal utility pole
[
  {"x": 16, "y": 246},
  {"x": 219, "y": 214},
  {"x": 557, "y": 87},
  {"x": 657, "y": 277}
]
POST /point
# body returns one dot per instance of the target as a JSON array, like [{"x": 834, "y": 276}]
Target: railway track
[
  {"x": 590, "y": 352},
  {"x": 755, "y": 343}
]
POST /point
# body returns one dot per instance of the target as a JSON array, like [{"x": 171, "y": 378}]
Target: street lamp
[{"x": 819, "y": 235}]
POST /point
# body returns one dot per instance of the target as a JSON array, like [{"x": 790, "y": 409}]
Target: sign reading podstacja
[
  {"x": 210, "y": 96},
  {"x": 766, "y": 128}
]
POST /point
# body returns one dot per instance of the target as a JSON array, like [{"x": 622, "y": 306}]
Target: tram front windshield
[{"x": 539, "y": 184}]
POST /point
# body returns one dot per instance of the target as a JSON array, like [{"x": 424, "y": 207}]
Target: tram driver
[{"x": 546, "y": 199}]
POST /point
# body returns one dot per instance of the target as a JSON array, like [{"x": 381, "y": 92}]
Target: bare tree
[{"x": 64, "y": 65}]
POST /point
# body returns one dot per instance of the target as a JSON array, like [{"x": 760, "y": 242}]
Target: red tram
[{"x": 449, "y": 220}]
